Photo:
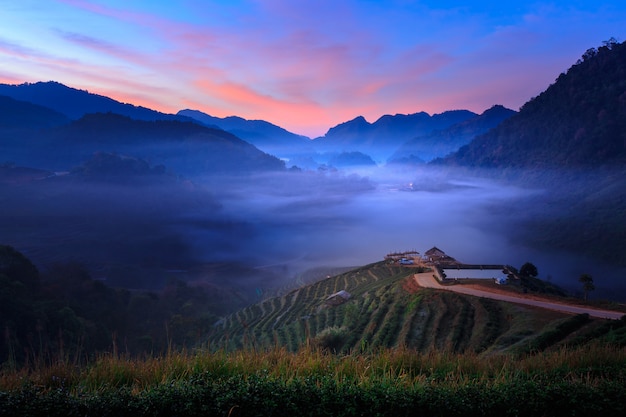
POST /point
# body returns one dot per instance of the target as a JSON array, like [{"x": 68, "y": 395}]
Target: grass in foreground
[{"x": 583, "y": 381}]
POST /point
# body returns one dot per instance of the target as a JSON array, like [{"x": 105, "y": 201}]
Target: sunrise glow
[{"x": 305, "y": 65}]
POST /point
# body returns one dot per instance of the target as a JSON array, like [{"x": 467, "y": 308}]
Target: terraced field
[{"x": 387, "y": 309}]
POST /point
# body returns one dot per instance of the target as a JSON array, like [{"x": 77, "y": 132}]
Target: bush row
[{"x": 263, "y": 395}]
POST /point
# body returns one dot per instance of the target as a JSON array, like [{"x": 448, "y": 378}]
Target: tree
[
  {"x": 529, "y": 270},
  {"x": 587, "y": 281},
  {"x": 18, "y": 267},
  {"x": 611, "y": 43}
]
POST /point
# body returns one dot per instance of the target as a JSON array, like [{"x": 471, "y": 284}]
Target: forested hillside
[
  {"x": 64, "y": 313},
  {"x": 579, "y": 121},
  {"x": 569, "y": 143},
  {"x": 440, "y": 143}
]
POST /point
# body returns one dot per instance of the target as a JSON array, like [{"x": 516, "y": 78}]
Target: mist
[
  {"x": 299, "y": 221},
  {"x": 261, "y": 233}
]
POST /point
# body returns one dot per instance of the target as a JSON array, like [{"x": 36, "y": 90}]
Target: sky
[{"x": 305, "y": 65}]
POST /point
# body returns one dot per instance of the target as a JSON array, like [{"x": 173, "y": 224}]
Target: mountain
[
  {"x": 380, "y": 306},
  {"x": 21, "y": 114},
  {"x": 579, "y": 121},
  {"x": 440, "y": 143},
  {"x": 74, "y": 103},
  {"x": 381, "y": 138},
  {"x": 351, "y": 159},
  {"x": 264, "y": 135},
  {"x": 569, "y": 144},
  {"x": 185, "y": 147}
]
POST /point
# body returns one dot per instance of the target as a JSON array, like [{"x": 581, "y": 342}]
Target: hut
[{"x": 337, "y": 298}]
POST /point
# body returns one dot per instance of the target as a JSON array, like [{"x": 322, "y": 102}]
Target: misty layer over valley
[
  {"x": 261, "y": 233},
  {"x": 142, "y": 199}
]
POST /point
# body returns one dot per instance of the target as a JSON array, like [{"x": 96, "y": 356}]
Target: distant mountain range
[
  {"x": 184, "y": 147},
  {"x": 383, "y": 137},
  {"x": 75, "y": 104},
  {"x": 264, "y": 135},
  {"x": 402, "y": 138},
  {"x": 580, "y": 120},
  {"x": 51, "y": 104},
  {"x": 439, "y": 143}
]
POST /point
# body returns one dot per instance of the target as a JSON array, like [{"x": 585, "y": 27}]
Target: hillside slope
[
  {"x": 184, "y": 147},
  {"x": 264, "y": 135},
  {"x": 569, "y": 143},
  {"x": 579, "y": 121},
  {"x": 19, "y": 114},
  {"x": 387, "y": 309},
  {"x": 74, "y": 103}
]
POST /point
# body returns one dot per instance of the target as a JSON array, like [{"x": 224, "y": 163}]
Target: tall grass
[
  {"x": 585, "y": 381},
  {"x": 399, "y": 367}
]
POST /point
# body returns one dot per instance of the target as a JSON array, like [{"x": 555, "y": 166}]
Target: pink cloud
[
  {"x": 298, "y": 72},
  {"x": 308, "y": 65},
  {"x": 20, "y": 51},
  {"x": 102, "y": 46}
]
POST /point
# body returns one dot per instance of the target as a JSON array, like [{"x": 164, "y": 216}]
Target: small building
[
  {"x": 434, "y": 253},
  {"x": 437, "y": 256},
  {"x": 337, "y": 298}
]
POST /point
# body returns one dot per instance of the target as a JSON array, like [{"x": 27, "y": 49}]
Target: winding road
[{"x": 427, "y": 280}]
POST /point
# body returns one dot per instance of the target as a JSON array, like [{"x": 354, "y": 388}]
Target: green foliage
[
  {"x": 587, "y": 382},
  {"x": 529, "y": 270},
  {"x": 106, "y": 166},
  {"x": 610, "y": 332},
  {"x": 17, "y": 267},
  {"x": 552, "y": 336},
  {"x": 579, "y": 120},
  {"x": 383, "y": 313},
  {"x": 68, "y": 315},
  {"x": 587, "y": 282},
  {"x": 72, "y": 318},
  {"x": 331, "y": 339}
]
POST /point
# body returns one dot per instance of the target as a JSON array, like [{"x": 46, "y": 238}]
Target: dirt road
[{"x": 427, "y": 280}]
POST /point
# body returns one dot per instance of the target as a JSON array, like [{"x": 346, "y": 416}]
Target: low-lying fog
[
  {"x": 298, "y": 225},
  {"x": 281, "y": 225}
]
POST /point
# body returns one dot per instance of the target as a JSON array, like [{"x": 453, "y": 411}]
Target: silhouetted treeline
[{"x": 64, "y": 313}]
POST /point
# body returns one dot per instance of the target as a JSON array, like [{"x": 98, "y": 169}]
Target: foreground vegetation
[
  {"x": 584, "y": 381},
  {"x": 391, "y": 348}
]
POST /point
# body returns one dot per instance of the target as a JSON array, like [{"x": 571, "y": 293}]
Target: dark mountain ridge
[
  {"x": 569, "y": 143},
  {"x": 579, "y": 121},
  {"x": 185, "y": 147},
  {"x": 381, "y": 138},
  {"x": 262, "y": 134},
  {"x": 74, "y": 103}
]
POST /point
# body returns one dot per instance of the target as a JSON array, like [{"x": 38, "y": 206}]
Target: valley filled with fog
[
  {"x": 260, "y": 234},
  {"x": 475, "y": 220}
]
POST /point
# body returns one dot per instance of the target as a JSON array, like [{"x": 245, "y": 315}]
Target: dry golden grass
[{"x": 398, "y": 367}]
